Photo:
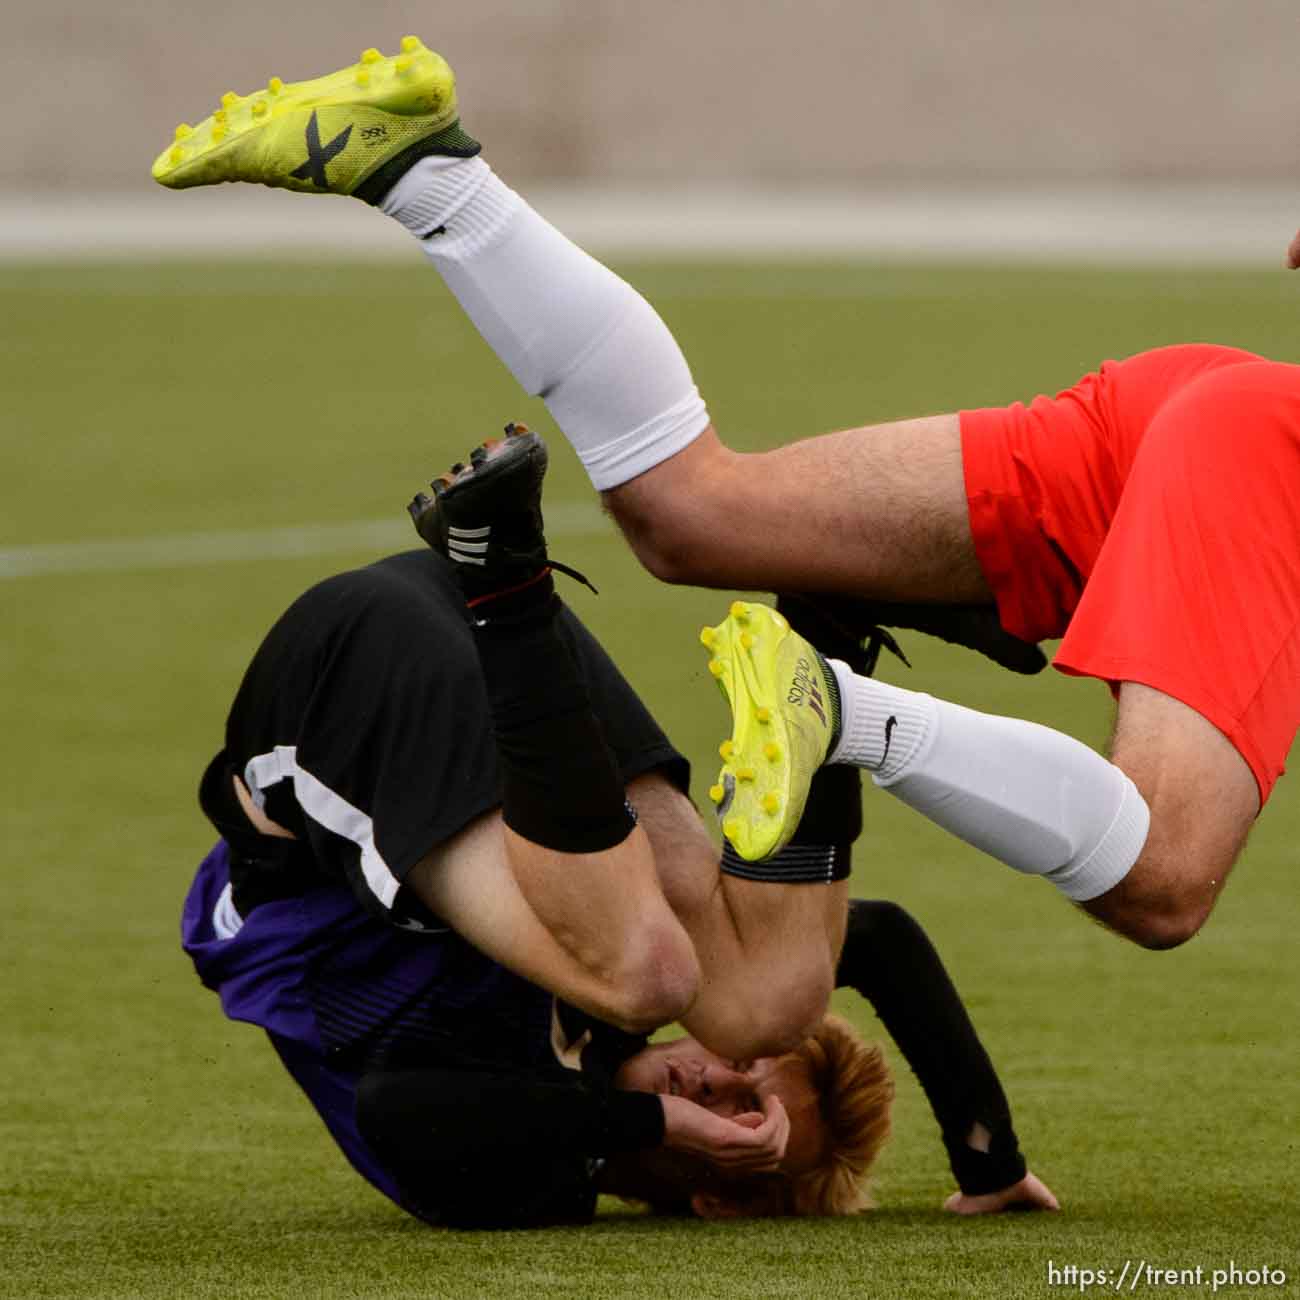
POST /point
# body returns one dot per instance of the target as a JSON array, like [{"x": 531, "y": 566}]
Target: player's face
[{"x": 683, "y": 1068}]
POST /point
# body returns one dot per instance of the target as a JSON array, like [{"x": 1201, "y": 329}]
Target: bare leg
[
  {"x": 878, "y": 512},
  {"x": 767, "y": 951},
  {"x": 1203, "y": 800},
  {"x": 632, "y": 966},
  {"x": 1144, "y": 843}
]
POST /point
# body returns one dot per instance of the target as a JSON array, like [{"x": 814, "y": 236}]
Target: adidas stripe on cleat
[
  {"x": 486, "y": 517},
  {"x": 351, "y": 132},
  {"x": 785, "y": 716}
]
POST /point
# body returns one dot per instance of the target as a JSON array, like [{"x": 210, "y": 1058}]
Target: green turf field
[{"x": 149, "y": 1148}]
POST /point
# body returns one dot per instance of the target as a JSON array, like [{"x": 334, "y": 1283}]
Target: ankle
[
  {"x": 529, "y": 601},
  {"x": 450, "y": 145}
]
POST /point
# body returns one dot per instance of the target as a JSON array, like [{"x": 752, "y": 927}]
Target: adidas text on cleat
[
  {"x": 785, "y": 715},
  {"x": 351, "y": 132}
]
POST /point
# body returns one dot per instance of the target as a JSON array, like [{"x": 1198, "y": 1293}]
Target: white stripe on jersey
[{"x": 327, "y": 809}]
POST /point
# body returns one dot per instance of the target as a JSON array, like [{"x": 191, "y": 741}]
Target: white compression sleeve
[
  {"x": 568, "y": 328},
  {"x": 1031, "y": 797}
]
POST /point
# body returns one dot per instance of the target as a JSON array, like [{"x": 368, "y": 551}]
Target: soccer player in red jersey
[{"x": 1149, "y": 515}]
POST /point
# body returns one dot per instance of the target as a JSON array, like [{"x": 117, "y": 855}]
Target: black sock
[{"x": 561, "y": 786}]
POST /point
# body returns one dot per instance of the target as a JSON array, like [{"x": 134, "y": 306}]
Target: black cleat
[
  {"x": 486, "y": 517},
  {"x": 841, "y": 619}
]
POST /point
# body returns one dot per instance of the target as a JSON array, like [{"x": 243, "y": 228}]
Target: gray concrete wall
[{"x": 719, "y": 90}]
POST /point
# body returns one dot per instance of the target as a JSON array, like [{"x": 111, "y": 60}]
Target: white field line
[{"x": 195, "y": 550}]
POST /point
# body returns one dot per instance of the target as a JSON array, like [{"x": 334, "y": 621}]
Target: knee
[
  {"x": 1163, "y": 922},
  {"x": 655, "y": 983},
  {"x": 660, "y": 537},
  {"x": 777, "y": 1019},
  {"x": 669, "y": 514}
]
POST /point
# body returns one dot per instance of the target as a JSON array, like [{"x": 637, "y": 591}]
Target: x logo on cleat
[{"x": 317, "y": 156}]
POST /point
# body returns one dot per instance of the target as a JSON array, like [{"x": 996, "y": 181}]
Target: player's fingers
[
  {"x": 1293, "y": 253},
  {"x": 774, "y": 1130}
]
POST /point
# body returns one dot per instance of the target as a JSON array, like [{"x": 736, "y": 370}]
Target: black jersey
[{"x": 362, "y": 726}]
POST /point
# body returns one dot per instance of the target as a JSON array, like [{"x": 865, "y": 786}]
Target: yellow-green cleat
[
  {"x": 351, "y": 132},
  {"x": 785, "y": 715}
]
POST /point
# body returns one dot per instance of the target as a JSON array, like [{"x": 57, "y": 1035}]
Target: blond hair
[
  {"x": 855, "y": 1094},
  {"x": 856, "y": 1089}
]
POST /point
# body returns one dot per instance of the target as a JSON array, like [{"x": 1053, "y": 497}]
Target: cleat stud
[
  {"x": 771, "y": 752},
  {"x": 184, "y": 131},
  {"x": 259, "y": 108},
  {"x": 726, "y": 750},
  {"x": 175, "y": 154},
  {"x": 371, "y": 55},
  {"x": 402, "y": 65},
  {"x": 363, "y": 77},
  {"x": 771, "y": 803},
  {"x": 763, "y": 714},
  {"x": 229, "y": 99},
  {"x": 275, "y": 85},
  {"x": 218, "y": 133},
  {"x": 747, "y": 640},
  {"x": 745, "y": 774},
  {"x": 716, "y": 793},
  {"x": 410, "y": 44},
  {"x": 731, "y": 827},
  {"x": 740, "y": 611},
  {"x": 708, "y": 636},
  {"x": 219, "y": 117},
  {"x": 717, "y": 667}
]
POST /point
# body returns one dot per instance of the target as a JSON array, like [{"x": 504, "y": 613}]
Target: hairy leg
[
  {"x": 763, "y": 955},
  {"x": 877, "y": 511},
  {"x": 767, "y": 952},
  {"x": 1203, "y": 800}
]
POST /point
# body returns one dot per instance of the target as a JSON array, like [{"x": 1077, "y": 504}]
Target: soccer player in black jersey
[{"x": 391, "y": 768}]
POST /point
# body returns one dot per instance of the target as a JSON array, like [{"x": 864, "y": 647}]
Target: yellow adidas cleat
[
  {"x": 351, "y": 132},
  {"x": 785, "y": 714}
]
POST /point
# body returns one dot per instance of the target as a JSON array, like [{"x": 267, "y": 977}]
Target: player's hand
[
  {"x": 1293, "y": 253},
  {"x": 750, "y": 1143},
  {"x": 1030, "y": 1193}
]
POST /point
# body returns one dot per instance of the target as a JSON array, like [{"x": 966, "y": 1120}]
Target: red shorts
[{"x": 1151, "y": 516}]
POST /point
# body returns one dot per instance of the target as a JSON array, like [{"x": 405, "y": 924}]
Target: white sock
[
  {"x": 567, "y": 327},
  {"x": 1031, "y": 797}
]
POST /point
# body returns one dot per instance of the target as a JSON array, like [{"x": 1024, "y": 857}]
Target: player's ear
[{"x": 709, "y": 1205}]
